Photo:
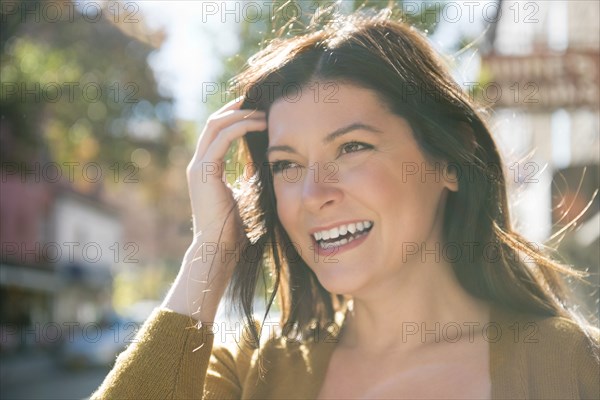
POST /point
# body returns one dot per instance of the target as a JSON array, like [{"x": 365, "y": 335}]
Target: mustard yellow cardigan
[{"x": 171, "y": 359}]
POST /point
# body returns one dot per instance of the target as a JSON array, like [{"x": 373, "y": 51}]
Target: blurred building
[
  {"x": 58, "y": 247},
  {"x": 61, "y": 241},
  {"x": 27, "y": 281},
  {"x": 541, "y": 76},
  {"x": 85, "y": 274}
]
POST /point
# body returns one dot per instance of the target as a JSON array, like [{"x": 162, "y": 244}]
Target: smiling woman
[{"x": 397, "y": 268}]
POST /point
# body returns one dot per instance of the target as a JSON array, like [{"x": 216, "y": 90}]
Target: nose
[{"x": 319, "y": 193}]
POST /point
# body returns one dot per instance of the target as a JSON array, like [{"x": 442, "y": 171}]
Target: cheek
[
  {"x": 404, "y": 199},
  {"x": 375, "y": 183}
]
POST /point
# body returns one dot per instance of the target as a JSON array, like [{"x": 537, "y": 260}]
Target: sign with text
[{"x": 541, "y": 81}]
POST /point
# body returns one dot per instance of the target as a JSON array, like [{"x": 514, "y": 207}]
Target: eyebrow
[{"x": 330, "y": 137}]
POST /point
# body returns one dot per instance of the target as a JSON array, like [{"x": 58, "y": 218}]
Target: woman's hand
[
  {"x": 218, "y": 231},
  {"x": 213, "y": 206}
]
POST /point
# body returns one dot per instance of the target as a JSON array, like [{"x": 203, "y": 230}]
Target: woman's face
[{"x": 350, "y": 172}]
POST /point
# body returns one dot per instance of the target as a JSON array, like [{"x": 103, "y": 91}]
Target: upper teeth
[{"x": 342, "y": 230}]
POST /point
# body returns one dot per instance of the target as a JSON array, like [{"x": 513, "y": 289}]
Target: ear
[{"x": 450, "y": 177}]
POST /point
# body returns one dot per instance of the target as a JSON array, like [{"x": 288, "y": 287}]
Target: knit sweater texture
[{"x": 172, "y": 359}]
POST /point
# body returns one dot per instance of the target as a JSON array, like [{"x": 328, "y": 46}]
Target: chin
[{"x": 339, "y": 284}]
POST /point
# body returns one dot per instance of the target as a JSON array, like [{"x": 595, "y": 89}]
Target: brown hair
[{"x": 394, "y": 60}]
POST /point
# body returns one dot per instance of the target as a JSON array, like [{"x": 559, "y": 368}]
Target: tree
[{"x": 77, "y": 89}]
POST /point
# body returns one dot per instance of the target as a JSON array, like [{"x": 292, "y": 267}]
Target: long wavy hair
[{"x": 394, "y": 60}]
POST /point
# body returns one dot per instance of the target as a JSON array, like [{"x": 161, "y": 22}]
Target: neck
[{"x": 422, "y": 305}]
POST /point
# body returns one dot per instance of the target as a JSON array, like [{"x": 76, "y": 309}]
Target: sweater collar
[{"x": 302, "y": 367}]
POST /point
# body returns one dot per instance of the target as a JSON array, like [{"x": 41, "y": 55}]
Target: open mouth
[{"x": 342, "y": 235}]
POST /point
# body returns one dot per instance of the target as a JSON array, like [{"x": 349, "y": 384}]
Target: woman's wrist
[{"x": 199, "y": 286}]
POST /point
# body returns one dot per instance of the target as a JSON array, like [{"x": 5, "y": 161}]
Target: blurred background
[{"x": 102, "y": 103}]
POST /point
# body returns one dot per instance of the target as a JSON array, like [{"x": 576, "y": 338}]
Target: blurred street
[{"x": 39, "y": 377}]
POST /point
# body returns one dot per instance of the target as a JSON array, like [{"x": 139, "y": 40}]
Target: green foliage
[
  {"x": 292, "y": 17},
  {"x": 78, "y": 90}
]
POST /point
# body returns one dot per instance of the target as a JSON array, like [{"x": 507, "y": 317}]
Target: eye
[
  {"x": 352, "y": 147},
  {"x": 279, "y": 166}
]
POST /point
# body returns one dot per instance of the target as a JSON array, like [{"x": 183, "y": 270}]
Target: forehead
[{"x": 323, "y": 107}]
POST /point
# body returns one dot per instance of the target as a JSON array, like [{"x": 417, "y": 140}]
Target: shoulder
[
  {"x": 231, "y": 356},
  {"x": 545, "y": 336},
  {"x": 234, "y": 355},
  {"x": 554, "y": 335},
  {"x": 276, "y": 355},
  {"x": 563, "y": 327},
  {"x": 548, "y": 355},
  {"x": 574, "y": 349},
  {"x": 532, "y": 328}
]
